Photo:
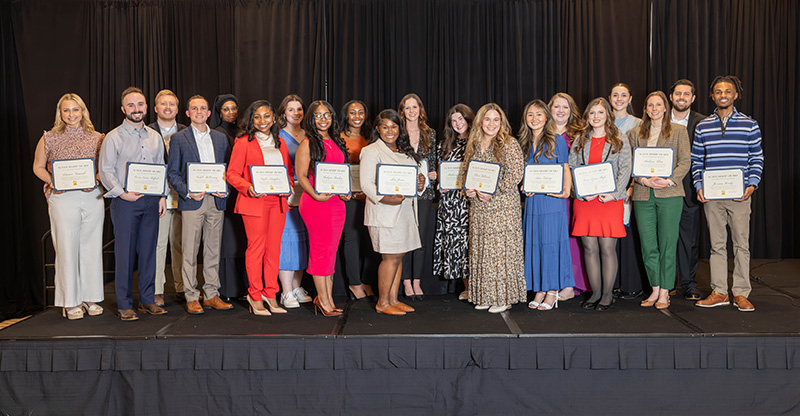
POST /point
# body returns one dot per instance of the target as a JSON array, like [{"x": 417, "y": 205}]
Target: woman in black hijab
[{"x": 224, "y": 115}]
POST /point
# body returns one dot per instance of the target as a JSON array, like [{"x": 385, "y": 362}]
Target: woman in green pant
[{"x": 657, "y": 201}]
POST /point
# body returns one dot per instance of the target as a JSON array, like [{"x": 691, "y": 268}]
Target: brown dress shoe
[
  {"x": 713, "y": 300},
  {"x": 152, "y": 309},
  {"x": 194, "y": 308},
  {"x": 743, "y": 304},
  {"x": 403, "y": 307},
  {"x": 390, "y": 310},
  {"x": 217, "y": 304},
  {"x": 128, "y": 315},
  {"x": 159, "y": 299}
]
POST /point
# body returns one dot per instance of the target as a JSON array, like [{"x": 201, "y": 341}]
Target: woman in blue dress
[
  {"x": 548, "y": 264},
  {"x": 294, "y": 241}
]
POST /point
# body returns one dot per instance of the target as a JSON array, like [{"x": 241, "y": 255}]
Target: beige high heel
[
  {"x": 273, "y": 309},
  {"x": 257, "y": 308}
]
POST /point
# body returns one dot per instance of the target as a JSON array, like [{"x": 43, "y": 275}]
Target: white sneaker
[
  {"x": 289, "y": 301},
  {"x": 463, "y": 295},
  {"x": 301, "y": 295},
  {"x": 481, "y": 307},
  {"x": 499, "y": 309}
]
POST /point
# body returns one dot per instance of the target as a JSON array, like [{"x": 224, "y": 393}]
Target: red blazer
[{"x": 246, "y": 153}]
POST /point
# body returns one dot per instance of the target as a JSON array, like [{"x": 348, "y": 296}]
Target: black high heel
[
  {"x": 589, "y": 305},
  {"x": 601, "y": 308}
]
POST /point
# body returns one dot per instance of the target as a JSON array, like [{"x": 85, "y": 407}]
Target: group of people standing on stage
[{"x": 500, "y": 245}]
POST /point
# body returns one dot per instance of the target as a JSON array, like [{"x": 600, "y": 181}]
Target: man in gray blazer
[
  {"x": 682, "y": 95},
  {"x": 201, "y": 212}
]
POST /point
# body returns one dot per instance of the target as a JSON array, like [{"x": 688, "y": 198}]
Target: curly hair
[
  {"x": 476, "y": 134},
  {"x": 403, "y": 142},
  {"x": 574, "y": 120}
]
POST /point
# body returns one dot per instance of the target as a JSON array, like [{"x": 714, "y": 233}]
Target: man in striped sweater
[{"x": 728, "y": 139}]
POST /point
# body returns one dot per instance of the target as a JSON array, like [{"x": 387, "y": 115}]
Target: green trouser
[{"x": 658, "y": 220}]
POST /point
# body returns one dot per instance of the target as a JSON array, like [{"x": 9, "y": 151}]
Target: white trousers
[{"x": 76, "y": 221}]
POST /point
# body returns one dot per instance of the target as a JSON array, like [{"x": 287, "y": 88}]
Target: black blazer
[{"x": 690, "y": 199}]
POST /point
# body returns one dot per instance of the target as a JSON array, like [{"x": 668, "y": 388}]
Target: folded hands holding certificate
[{"x": 203, "y": 178}]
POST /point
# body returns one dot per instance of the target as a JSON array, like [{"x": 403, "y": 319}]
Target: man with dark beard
[
  {"x": 682, "y": 96},
  {"x": 134, "y": 215}
]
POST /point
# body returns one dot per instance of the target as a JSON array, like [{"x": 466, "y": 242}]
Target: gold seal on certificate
[
  {"x": 723, "y": 184},
  {"x": 270, "y": 179},
  {"x": 332, "y": 178},
  {"x": 355, "y": 178},
  {"x": 543, "y": 179},
  {"x": 397, "y": 180},
  {"x": 146, "y": 178},
  {"x": 449, "y": 174},
  {"x": 172, "y": 199},
  {"x": 653, "y": 161},
  {"x": 73, "y": 174},
  {"x": 423, "y": 169},
  {"x": 482, "y": 176},
  {"x": 594, "y": 179},
  {"x": 206, "y": 177}
]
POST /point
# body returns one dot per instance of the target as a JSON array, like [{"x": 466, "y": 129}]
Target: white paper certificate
[
  {"x": 653, "y": 161},
  {"x": 172, "y": 199},
  {"x": 594, "y": 179},
  {"x": 397, "y": 179},
  {"x": 73, "y": 174},
  {"x": 423, "y": 169},
  {"x": 206, "y": 177},
  {"x": 449, "y": 173},
  {"x": 723, "y": 184},
  {"x": 270, "y": 179},
  {"x": 146, "y": 178},
  {"x": 482, "y": 176},
  {"x": 332, "y": 178},
  {"x": 355, "y": 178},
  {"x": 543, "y": 179}
]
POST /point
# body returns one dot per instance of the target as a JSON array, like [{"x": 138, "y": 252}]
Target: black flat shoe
[
  {"x": 600, "y": 307},
  {"x": 589, "y": 305}
]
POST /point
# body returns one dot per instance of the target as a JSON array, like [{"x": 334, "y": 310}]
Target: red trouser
[{"x": 264, "y": 250}]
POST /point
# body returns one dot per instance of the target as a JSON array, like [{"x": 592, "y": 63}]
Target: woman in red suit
[{"x": 263, "y": 215}]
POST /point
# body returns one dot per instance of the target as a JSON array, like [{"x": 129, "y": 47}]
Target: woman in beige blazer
[
  {"x": 391, "y": 219},
  {"x": 658, "y": 201}
]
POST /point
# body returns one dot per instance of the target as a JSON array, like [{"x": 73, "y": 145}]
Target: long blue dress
[
  {"x": 548, "y": 265},
  {"x": 294, "y": 241}
]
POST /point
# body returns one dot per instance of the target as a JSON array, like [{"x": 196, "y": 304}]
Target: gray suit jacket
[{"x": 620, "y": 160}]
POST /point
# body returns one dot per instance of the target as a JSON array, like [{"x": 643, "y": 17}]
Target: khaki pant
[
  {"x": 169, "y": 234},
  {"x": 736, "y": 215},
  {"x": 205, "y": 221}
]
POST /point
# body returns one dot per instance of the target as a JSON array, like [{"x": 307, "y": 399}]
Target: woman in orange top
[{"x": 263, "y": 215}]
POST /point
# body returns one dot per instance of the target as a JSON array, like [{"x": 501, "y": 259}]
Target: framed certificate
[
  {"x": 594, "y": 179},
  {"x": 146, "y": 178},
  {"x": 423, "y": 169},
  {"x": 397, "y": 179},
  {"x": 206, "y": 177},
  {"x": 653, "y": 161},
  {"x": 449, "y": 173},
  {"x": 73, "y": 174},
  {"x": 482, "y": 176},
  {"x": 270, "y": 179},
  {"x": 355, "y": 178},
  {"x": 543, "y": 179},
  {"x": 721, "y": 184},
  {"x": 332, "y": 178}
]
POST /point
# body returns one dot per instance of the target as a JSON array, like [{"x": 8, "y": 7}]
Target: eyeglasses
[{"x": 320, "y": 116}]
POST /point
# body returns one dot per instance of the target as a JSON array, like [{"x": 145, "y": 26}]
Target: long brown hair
[
  {"x": 281, "y": 115},
  {"x": 574, "y": 121},
  {"x": 450, "y": 135},
  {"x": 547, "y": 140},
  {"x": 422, "y": 121},
  {"x": 666, "y": 124},
  {"x": 629, "y": 108},
  {"x": 476, "y": 134},
  {"x": 612, "y": 132}
]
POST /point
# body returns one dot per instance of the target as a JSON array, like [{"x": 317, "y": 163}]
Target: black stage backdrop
[{"x": 447, "y": 51}]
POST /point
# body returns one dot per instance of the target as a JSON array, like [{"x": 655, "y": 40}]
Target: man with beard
[
  {"x": 728, "y": 139},
  {"x": 682, "y": 96},
  {"x": 169, "y": 226},
  {"x": 134, "y": 215}
]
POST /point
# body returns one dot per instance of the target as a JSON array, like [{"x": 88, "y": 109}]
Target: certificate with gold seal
[
  {"x": 597, "y": 178},
  {"x": 206, "y": 177},
  {"x": 543, "y": 179},
  {"x": 397, "y": 180},
  {"x": 332, "y": 178},
  {"x": 146, "y": 178},
  {"x": 449, "y": 175},
  {"x": 721, "y": 184},
  {"x": 73, "y": 174},
  {"x": 653, "y": 161},
  {"x": 270, "y": 179},
  {"x": 482, "y": 176}
]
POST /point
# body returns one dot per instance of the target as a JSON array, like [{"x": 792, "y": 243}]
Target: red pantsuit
[{"x": 263, "y": 217}]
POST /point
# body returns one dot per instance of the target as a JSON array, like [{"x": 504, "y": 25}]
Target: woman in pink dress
[{"x": 323, "y": 213}]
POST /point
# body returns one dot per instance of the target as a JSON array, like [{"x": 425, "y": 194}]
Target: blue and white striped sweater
[{"x": 738, "y": 145}]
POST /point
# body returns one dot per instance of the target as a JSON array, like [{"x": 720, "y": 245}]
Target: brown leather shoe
[
  {"x": 390, "y": 310},
  {"x": 713, "y": 300},
  {"x": 403, "y": 307},
  {"x": 194, "y": 308},
  {"x": 743, "y": 304},
  {"x": 159, "y": 299},
  {"x": 128, "y": 315},
  {"x": 217, "y": 304},
  {"x": 152, "y": 309}
]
